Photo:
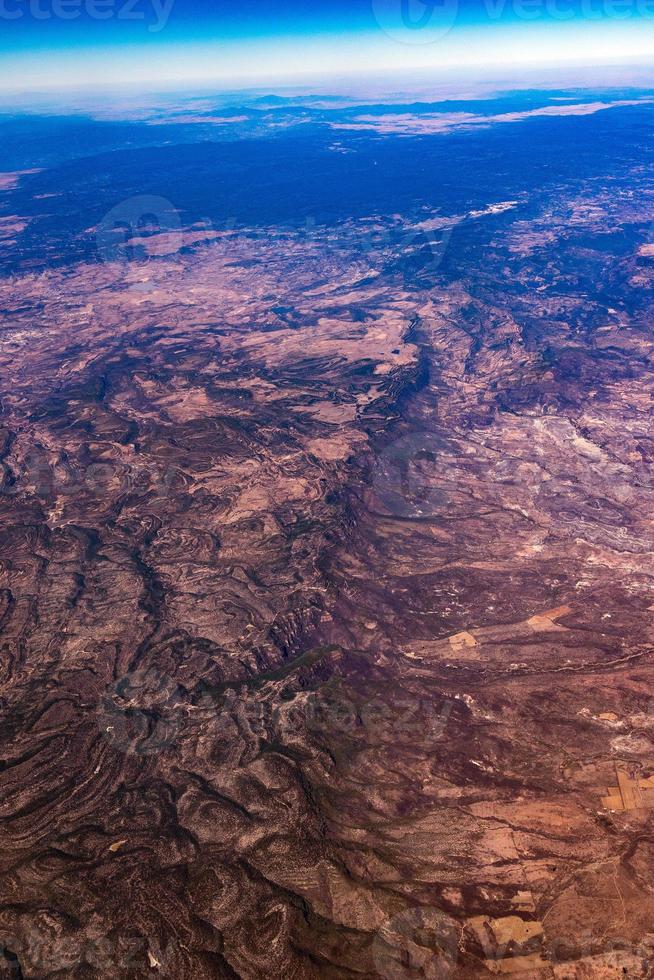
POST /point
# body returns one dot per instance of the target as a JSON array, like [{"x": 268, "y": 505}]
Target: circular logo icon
[
  {"x": 418, "y": 942},
  {"x": 140, "y": 713},
  {"x": 139, "y": 229},
  {"x": 334, "y": 715},
  {"x": 405, "y": 476},
  {"x": 415, "y": 21}
]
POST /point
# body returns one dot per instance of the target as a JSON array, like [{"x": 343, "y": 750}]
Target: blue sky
[{"x": 59, "y": 42}]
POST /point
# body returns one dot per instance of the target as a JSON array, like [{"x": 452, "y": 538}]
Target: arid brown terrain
[{"x": 328, "y": 601}]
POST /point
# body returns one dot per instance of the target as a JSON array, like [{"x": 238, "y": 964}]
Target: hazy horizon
[{"x": 54, "y": 44}]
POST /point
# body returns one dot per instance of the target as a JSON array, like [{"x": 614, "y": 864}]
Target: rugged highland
[{"x": 327, "y": 571}]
